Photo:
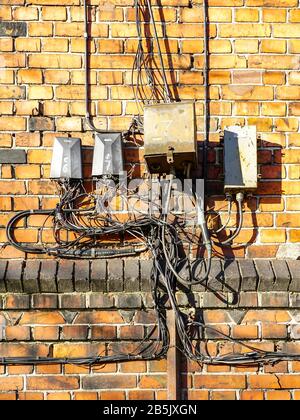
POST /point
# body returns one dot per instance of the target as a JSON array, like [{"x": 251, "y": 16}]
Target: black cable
[{"x": 228, "y": 242}]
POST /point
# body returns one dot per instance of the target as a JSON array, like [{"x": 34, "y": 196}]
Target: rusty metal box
[
  {"x": 240, "y": 158},
  {"x": 170, "y": 136}
]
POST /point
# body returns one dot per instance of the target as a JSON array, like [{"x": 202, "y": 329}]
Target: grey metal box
[
  {"x": 170, "y": 136},
  {"x": 240, "y": 158},
  {"x": 66, "y": 158},
  {"x": 108, "y": 155}
]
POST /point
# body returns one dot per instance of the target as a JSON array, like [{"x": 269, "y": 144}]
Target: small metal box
[
  {"x": 170, "y": 136},
  {"x": 66, "y": 158},
  {"x": 108, "y": 155},
  {"x": 240, "y": 158}
]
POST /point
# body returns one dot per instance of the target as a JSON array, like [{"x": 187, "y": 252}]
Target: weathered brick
[
  {"x": 12, "y": 156},
  {"x": 41, "y": 124},
  {"x": 31, "y": 276},
  {"x": 98, "y": 275},
  {"x": 65, "y": 276},
  {"x": 248, "y": 274},
  {"x": 100, "y": 300},
  {"x": 131, "y": 276},
  {"x": 266, "y": 275},
  {"x": 115, "y": 275},
  {"x": 129, "y": 300},
  {"x": 48, "y": 276},
  {"x": 109, "y": 381},
  {"x": 13, "y": 276},
  {"x": 13, "y": 29},
  {"x": 282, "y": 275},
  {"x": 82, "y": 276}
]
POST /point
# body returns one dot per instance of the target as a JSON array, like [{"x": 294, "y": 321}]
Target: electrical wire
[{"x": 228, "y": 242}]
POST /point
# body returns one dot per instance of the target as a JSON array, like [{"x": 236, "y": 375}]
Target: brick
[
  {"x": 54, "y": 13},
  {"x": 40, "y": 29},
  {"x": 41, "y": 318},
  {"x": 274, "y": 15},
  {"x": 41, "y": 124},
  {"x": 6, "y": 44},
  {"x": 247, "y": 15},
  {"x": 52, "y": 382},
  {"x": 26, "y": 13},
  {"x": 294, "y": 46},
  {"x": 58, "y": 61},
  {"x": 45, "y": 333},
  {"x": 266, "y": 275},
  {"x": 55, "y": 45},
  {"x": 5, "y": 203},
  {"x": 78, "y": 92},
  {"x": 115, "y": 275},
  {"x": 282, "y": 275},
  {"x": 7, "y": 76},
  {"x": 286, "y": 124},
  {"x": 285, "y": 30},
  {"x": 248, "y": 274},
  {"x": 71, "y": 301},
  {"x": 274, "y": 109},
  {"x": 276, "y": 299},
  {"x": 246, "y": 46},
  {"x": 273, "y": 62},
  {"x": 98, "y": 276},
  {"x": 274, "y": 331},
  {"x": 130, "y": 300},
  {"x": 44, "y": 301},
  {"x": 273, "y": 236},
  {"x": 273, "y": 46},
  {"x": 131, "y": 276},
  {"x": 99, "y": 317},
  {"x": 72, "y": 332},
  {"x": 30, "y": 276},
  {"x": 274, "y": 78},
  {"x": 65, "y": 276},
  {"x": 82, "y": 276},
  {"x": 40, "y": 92},
  {"x": 13, "y": 29},
  {"x": 241, "y": 92},
  {"x": 13, "y": 276},
  {"x": 294, "y": 269},
  {"x": 220, "y": 381},
  {"x": 56, "y": 76},
  {"x": 12, "y": 156},
  {"x": 245, "y": 30},
  {"x": 11, "y": 384},
  {"x": 100, "y": 300},
  {"x": 103, "y": 332},
  {"x": 28, "y": 44},
  {"x": 17, "y": 333},
  {"x": 109, "y": 381},
  {"x": 16, "y": 302},
  {"x": 30, "y": 76}
]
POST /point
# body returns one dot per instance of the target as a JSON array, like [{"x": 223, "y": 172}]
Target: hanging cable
[{"x": 228, "y": 242}]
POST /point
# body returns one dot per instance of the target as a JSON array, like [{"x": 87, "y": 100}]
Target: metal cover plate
[
  {"x": 240, "y": 158},
  {"x": 66, "y": 158},
  {"x": 108, "y": 154},
  {"x": 170, "y": 126}
]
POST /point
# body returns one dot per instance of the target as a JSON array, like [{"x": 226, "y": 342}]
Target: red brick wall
[{"x": 77, "y": 315}]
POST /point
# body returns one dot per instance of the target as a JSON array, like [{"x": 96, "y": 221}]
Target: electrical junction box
[
  {"x": 240, "y": 159},
  {"x": 108, "y": 155},
  {"x": 66, "y": 158},
  {"x": 170, "y": 136}
]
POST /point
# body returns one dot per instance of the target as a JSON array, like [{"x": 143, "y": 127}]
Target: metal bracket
[{"x": 170, "y": 154}]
